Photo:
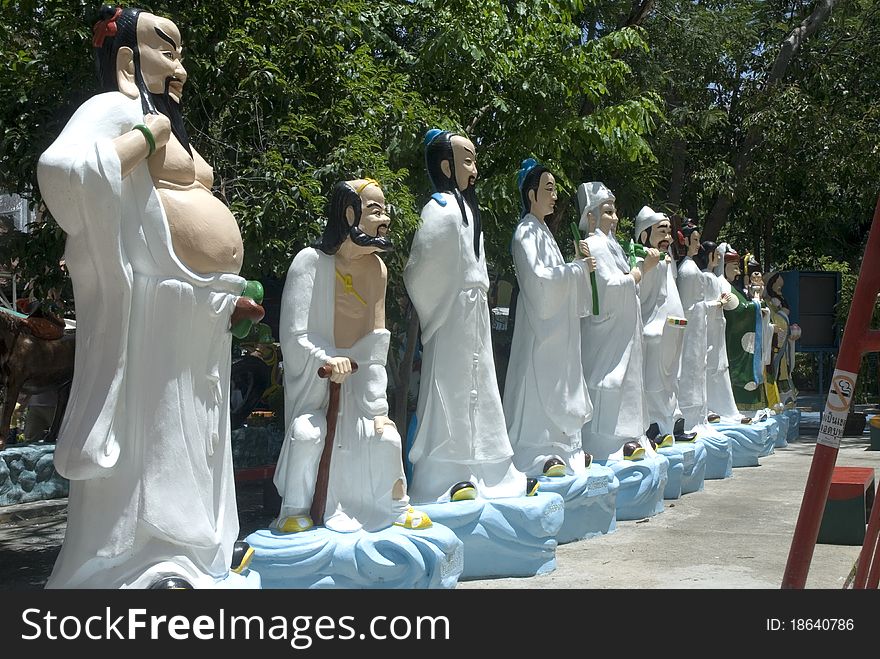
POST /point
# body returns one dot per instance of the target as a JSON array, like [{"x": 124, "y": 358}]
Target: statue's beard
[
  {"x": 469, "y": 196},
  {"x": 361, "y": 239},
  {"x": 164, "y": 104}
]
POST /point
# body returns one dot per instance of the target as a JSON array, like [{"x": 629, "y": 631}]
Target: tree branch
[
  {"x": 638, "y": 13},
  {"x": 789, "y": 50},
  {"x": 473, "y": 124}
]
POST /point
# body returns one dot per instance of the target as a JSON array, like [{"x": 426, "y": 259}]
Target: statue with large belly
[{"x": 154, "y": 257}]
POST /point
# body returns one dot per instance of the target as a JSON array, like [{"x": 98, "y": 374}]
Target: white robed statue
[
  {"x": 719, "y": 393},
  {"x": 611, "y": 342},
  {"x": 546, "y": 401},
  {"x": 692, "y": 290},
  {"x": 461, "y": 448},
  {"x": 154, "y": 259},
  {"x": 663, "y": 331},
  {"x": 333, "y": 315}
]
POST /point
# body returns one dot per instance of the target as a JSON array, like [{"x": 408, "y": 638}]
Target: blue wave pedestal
[
  {"x": 687, "y": 468},
  {"x": 590, "y": 502},
  {"x": 391, "y": 558},
  {"x": 509, "y": 537},
  {"x": 642, "y": 483}
]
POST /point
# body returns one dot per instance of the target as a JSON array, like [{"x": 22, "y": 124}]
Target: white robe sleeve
[
  {"x": 430, "y": 274},
  {"x": 548, "y": 287},
  {"x": 81, "y": 182}
]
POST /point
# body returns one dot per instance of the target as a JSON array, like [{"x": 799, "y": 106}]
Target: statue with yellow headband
[{"x": 333, "y": 320}]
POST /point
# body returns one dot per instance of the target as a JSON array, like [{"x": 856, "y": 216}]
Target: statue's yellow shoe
[
  {"x": 295, "y": 524},
  {"x": 242, "y": 555},
  {"x": 532, "y": 485},
  {"x": 662, "y": 441},
  {"x": 554, "y": 467},
  {"x": 413, "y": 519},
  {"x": 633, "y": 451},
  {"x": 463, "y": 491}
]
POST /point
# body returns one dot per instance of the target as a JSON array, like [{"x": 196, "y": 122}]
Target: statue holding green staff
[{"x": 611, "y": 342}]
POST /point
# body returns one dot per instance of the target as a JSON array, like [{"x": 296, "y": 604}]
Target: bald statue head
[{"x": 356, "y": 212}]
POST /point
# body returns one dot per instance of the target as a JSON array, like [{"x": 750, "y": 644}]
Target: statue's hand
[
  {"x": 652, "y": 258},
  {"x": 380, "y": 422},
  {"x": 340, "y": 369},
  {"x": 583, "y": 249},
  {"x": 160, "y": 127}
]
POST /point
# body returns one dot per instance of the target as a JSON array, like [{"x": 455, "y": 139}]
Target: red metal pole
[
  {"x": 857, "y": 338},
  {"x": 874, "y": 575},
  {"x": 869, "y": 551}
]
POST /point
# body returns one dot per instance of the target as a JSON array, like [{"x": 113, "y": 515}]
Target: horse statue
[{"x": 36, "y": 355}]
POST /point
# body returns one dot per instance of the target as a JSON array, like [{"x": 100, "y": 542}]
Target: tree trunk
[
  {"x": 789, "y": 49},
  {"x": 638, "y": 13},
  {"x": 676, "y": 178}
]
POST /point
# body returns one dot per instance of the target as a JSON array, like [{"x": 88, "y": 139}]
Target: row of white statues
[{"x": 154, "y": 259}]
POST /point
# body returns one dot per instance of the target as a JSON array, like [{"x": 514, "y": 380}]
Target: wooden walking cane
[{"x": 319, "y": 499}]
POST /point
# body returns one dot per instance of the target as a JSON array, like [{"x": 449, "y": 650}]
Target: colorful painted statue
[
  {"x": 744, "y": 335},
  {"x": 461, "y": 448},
  {"x": 154, "y": 258},
  {"x": 546, "y": 401},
  {"x": 333, "y": 315},
  {"x": 663, "y": 331},
  {"x": 611, "y": 342},
  {"x": 784, "y": 338},
  {"x": 719, "y": 394}
]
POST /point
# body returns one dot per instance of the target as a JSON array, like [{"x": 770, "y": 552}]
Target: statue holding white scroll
[{"x": 611, "y": 342}]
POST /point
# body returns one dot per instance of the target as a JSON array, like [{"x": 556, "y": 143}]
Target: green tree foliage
[
  {"x": 811, "y": 186},
  {"x": 286, "y": 97},
  {"x": 655, "y": 98}
]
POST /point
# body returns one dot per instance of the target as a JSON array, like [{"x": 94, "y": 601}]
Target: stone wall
[{"x": 27, "y": 473}]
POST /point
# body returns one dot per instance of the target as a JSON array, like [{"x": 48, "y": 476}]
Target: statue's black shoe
[
  {"x": 242, "y": 554},
  {"x": 531, "y": 487},
  {"x": 171, "y": 583},
  {"x": 680, "y": 434},
  {"x": 554, "y": 467},
  {"x": 633, "y": 451},
  {"x": 463, "y": 491}
]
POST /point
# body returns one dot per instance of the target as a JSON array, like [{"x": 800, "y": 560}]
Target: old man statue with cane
[{"x": 341, "y": 464}]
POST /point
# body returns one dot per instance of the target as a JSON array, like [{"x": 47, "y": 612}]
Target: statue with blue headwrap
[
  {"x": 546, "y": 401},
  {"x": 461, "y": 449}
]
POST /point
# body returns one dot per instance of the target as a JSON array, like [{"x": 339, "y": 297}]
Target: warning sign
[{"x": 843, "y": 385}]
